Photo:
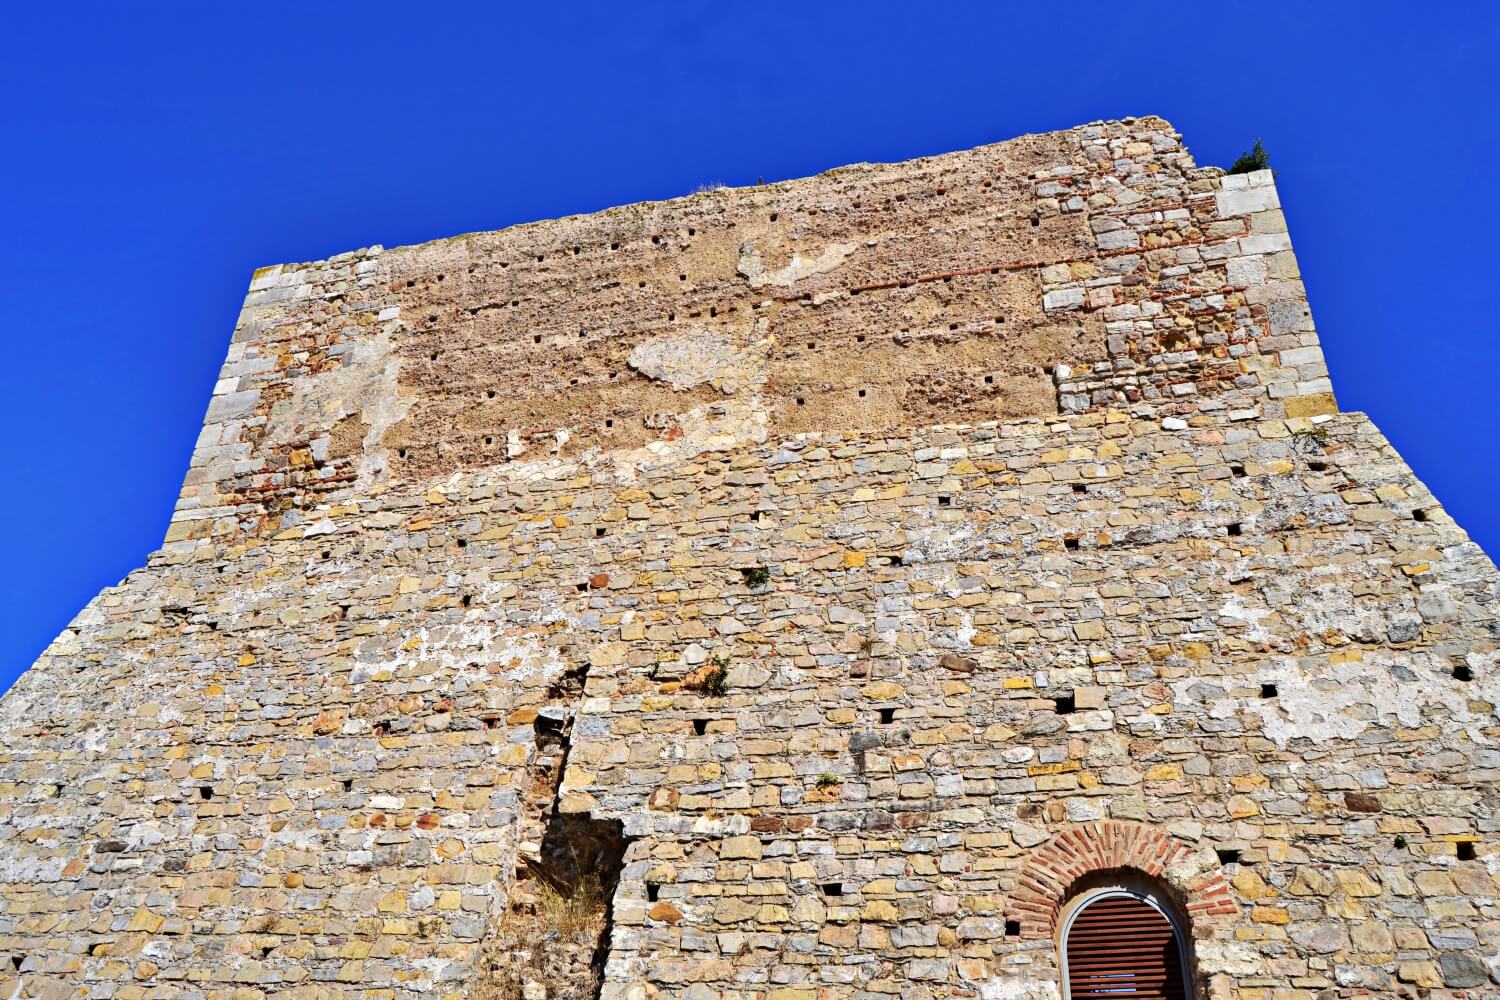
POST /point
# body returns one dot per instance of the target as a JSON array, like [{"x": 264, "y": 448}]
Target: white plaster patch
[
  {"x": 683, "y": 361},
  {"x": 462, "y": 654},
  {"x": 702, "y": 357},
  {"x": 363, "y": 386},
  {"x": 966, "y": 631},
  {"x": 753, "y": 268},
  {"x": 1341, "y": 702},
  {"x": 1331, "y": 604},
  {"x": 1017, "y": 989},
  {"x": 1234, "y": 610},
  {"x": 1227, "y": 957},
  {"x": 714, "y": 427}
]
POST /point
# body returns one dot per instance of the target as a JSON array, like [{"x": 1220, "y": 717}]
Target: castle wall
[
  {"x": 1059, "y": 273},
  {"x": 1172, "y": 614}
]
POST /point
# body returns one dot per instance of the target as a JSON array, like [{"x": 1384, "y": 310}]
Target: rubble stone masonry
[{"x": 1003, "y": 494}]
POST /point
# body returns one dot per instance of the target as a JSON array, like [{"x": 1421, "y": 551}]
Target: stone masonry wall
[
  {"x": 1183, "y": 619},
  {"x": 1056, "y": 273}
]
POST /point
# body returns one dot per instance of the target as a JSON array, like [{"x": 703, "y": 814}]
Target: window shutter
[{"x": 1121, "y": 947}]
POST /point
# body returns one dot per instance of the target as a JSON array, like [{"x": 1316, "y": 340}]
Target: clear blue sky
[{"x": 152, "y": 154}]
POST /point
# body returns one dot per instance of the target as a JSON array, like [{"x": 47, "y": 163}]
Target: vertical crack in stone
[{"x": 553, "y": 939}]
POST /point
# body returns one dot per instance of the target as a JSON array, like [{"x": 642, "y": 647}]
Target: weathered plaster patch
[
  {"x": 1331, "y": 604},
  {"x": 1326, "y": 707},
  {"x": 752, "y": 267},
  {"x": 1017, "y": 989},
  {"x": 463, "y": 654},
  {"x": 364, "y": 386},
  {"x": 715, "y": 427},
  {"x": 1237, "y": 611},
  {"x": 701, "y": 358}
]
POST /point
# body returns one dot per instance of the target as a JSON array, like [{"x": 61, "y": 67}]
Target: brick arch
[{"x": 1056, "y": 866}]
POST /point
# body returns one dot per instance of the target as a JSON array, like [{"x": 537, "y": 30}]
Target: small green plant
[
  {"x": 866, "y": 644},
  {"x": 716, "y": 683},
  {"x": 827, "y": 781},
  {"x": 756, "y": 576},
  {"x": 712, "y": 681},
  {"x": 1309, "y": 441},
  {"x": 1256, "y": 159},
  {"x": 1400, "y": 841}
]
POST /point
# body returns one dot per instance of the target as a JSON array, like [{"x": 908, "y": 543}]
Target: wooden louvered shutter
[{"x": 1123, "y": 947}]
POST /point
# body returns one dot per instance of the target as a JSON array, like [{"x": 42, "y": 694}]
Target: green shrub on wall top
[{"x": 1256, "y": 159}]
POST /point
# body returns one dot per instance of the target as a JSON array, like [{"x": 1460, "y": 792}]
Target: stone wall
[
  {"x": 1056, "y": 273},
  {"x": 1174, "y": 615}
]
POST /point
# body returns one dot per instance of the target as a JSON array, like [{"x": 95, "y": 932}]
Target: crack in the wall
[{"x": 553, "y": 936}]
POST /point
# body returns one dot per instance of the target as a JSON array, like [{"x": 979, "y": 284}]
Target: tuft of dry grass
[
  {"x": 548, "y": 934},
  {"x": 575, "y": 910}
]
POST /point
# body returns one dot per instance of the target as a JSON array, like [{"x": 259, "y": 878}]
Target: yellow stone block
[
  {"x": 1269, "y": 915},
  {"x": 1241, "y": 806},
  {"x": 1419, "y": 974},
  {"x": 1061, "y": 767},
  {"x": 609, "y": 654},
  {"x": 145, "y": 920},
  {"x": 579, "y": 802},
  {"x": 1251, "y": 886},
  {"x": 1313, "y": 405},
  {"x": 1356, "y": 883}
]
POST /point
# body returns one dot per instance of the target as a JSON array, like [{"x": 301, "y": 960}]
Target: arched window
[{"x": 1120, "y": 943}]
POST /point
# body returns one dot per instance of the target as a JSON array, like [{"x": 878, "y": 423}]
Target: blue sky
[{"x": 152, "y": 155}]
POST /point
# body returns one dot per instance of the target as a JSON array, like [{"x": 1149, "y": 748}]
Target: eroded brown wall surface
[
  {"x": 1008, "y": 489},
  {"x": 1058, "y": 273}
]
